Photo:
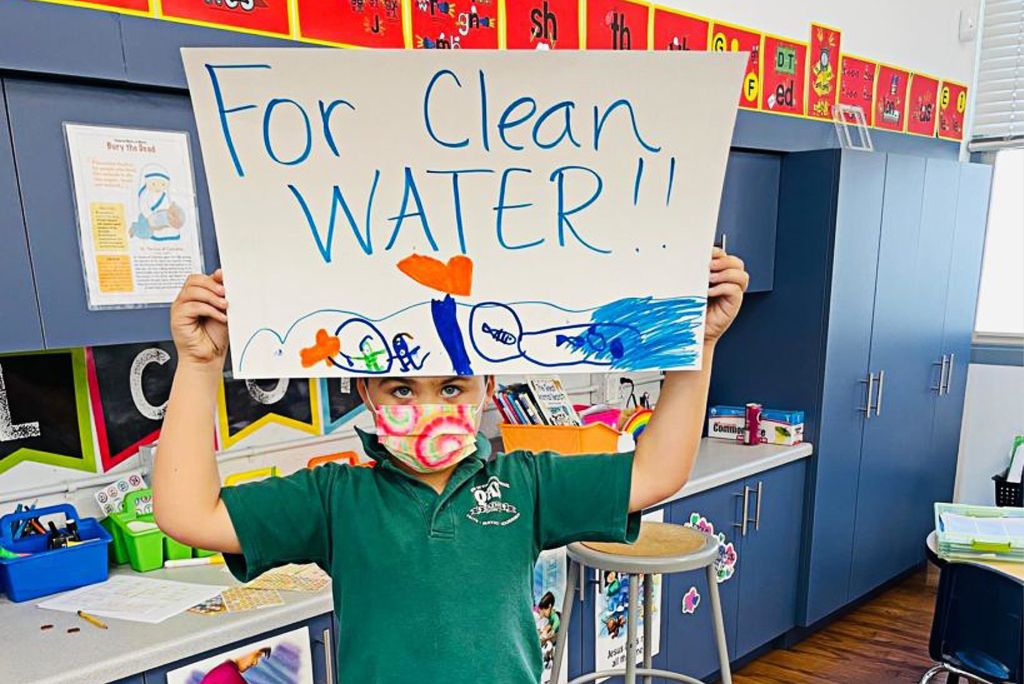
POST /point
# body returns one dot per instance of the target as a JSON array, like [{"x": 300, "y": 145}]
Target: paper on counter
[{"x": 139, "y": 599}]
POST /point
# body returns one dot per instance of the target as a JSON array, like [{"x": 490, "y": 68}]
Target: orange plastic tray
[{"x": 596, "y": 438}]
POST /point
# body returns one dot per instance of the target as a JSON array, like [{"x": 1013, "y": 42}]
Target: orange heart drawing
[{"x": 455, "y": 277}]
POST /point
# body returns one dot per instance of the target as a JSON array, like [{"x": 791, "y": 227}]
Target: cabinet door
[
  {"x": 771, "y": 557},
  {"x": 900, "y": 427},
  {"x": 19, "y": 310},
  {"x": 37, "y": 111},
  {"x": 324, "y": 648},
  {"x": 689, "y": 640},
  {"x": 749, "y": 213},
  {"x": 961, "y": 300},
  {"x": 848, "y": 343}
]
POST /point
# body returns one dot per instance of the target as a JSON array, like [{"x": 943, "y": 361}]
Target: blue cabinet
[
  {"x": 749, "y": 212},
  {"x": 37, "y": 111},
  {"x": 769, "y": 565},
  {"x": 19, "y": 311},
  {"x": 322, "y": 642}
]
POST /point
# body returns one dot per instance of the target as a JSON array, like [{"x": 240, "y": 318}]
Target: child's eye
[
  {"x": 450, "y": 391},
  {"x": 401, "y": 393}
]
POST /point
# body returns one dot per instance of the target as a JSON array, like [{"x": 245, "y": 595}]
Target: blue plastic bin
[{"x": 48, "y": 571}]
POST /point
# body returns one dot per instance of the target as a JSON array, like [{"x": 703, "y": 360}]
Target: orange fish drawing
[{"x": 326, "y": 346}]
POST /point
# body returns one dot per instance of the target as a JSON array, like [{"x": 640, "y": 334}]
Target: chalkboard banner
[
  {"x": 339, "y": 402},
  {"x": 246, "y": 406},
  {"x": 129, "y": 385},
  {"x": 44, "y": 410}
]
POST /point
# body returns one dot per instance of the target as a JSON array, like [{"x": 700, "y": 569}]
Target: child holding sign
[{"x": 430, "y": 551}]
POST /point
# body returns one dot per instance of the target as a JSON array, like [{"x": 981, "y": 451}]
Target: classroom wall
[
  {"x": 922, "y": 36},
  {"x": 992, "y": 416}
]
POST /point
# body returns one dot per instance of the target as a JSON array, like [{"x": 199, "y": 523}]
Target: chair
[
  {"x": 976, "y": 631},
  {"x": 661, "y": 548}
]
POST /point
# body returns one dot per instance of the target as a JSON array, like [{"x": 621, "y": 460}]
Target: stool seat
[{"x": 660, "y": 548}]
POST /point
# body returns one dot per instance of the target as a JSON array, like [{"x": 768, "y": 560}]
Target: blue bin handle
[{"x": 6, "y": 533}]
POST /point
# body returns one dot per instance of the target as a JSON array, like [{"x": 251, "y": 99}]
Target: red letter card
[
  {"x": 891, "y": 98},
  {"x": 727, "y": 38},
  {"x": 823, "y": 76},
  {"x": 783, "y": 72},
  {"x": 679, "y": 31},
  {"x": 448, "y": 24},
  {"x": 857, "y": 85},
  {"x": 542, "y": 24},
  {"x": 952, "y": 105},
  {"x": 616, "y": 25},
  {"x": 922, "y": 105},
  {"x": 266, "y": 16},
  {"x": 366, "y": 23}
]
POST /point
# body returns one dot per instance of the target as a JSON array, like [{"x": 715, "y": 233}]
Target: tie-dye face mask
[{"x": 428, "y": 437}]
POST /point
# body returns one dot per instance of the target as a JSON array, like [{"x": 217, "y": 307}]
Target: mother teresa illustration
[{"x": 159, "y": 218}]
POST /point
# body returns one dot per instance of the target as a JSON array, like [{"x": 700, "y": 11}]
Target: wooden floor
[{"x": 883, "y": 642}]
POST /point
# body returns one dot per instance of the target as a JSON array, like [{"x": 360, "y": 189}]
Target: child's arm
[
  {"x": 186, "y": 484},
  {"x": 668, "y": 446}
]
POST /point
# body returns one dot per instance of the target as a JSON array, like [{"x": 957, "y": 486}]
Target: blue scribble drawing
[{"x": 627, "y": 334}]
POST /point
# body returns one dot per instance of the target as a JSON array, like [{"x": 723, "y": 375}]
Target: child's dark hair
[{"x": 546, "y": 601}]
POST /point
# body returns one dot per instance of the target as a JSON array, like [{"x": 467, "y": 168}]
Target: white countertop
[
  {"x": 722, "y": 461},
  {"x": 98, "y": 656},
  {"x": 29, "y": 655}
]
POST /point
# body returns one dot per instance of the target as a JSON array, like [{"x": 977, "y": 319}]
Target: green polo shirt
[{"x": 428, "y": 587}]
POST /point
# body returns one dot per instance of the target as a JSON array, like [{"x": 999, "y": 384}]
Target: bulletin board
[
  {"x": 44, "y": 410},
  {"x": 246, "y": 406}
]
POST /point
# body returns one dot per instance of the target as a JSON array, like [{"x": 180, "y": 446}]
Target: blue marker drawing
[{"x": 444, "y": 313}]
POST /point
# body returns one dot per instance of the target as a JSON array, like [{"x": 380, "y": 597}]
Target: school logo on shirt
[{"x": 490, "y": 509}]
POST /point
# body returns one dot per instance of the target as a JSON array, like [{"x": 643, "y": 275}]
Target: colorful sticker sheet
[
  {"x": 785, "y": 76},
  {"x": 292, "y": 577}
]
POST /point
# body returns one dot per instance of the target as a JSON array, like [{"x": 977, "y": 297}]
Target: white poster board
[
  {"x": 138, "y": 227},
  {"x": 463, "y": 212},
  {"x": 285, "y": 659}
]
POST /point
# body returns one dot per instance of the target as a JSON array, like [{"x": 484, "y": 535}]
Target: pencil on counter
[{"x": 89, "y": 618}]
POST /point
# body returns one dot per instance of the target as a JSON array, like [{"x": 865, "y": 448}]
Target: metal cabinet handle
[
  {"x": 942, "y": 374},
  {"x": 870, "y": 382},
  {"x": 725, "y": 242},
  {"x": 949, "y": 373},
  {"x": 881, "y": 386},
  {"x": 746, "y": 503},
  {"x": 757, "y": 508},
  {"x": 328, "y": 657}
]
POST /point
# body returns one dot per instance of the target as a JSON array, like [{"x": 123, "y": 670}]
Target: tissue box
[
  {"x": 781, "y": 427},
  {"x": 727, "y": 422}
]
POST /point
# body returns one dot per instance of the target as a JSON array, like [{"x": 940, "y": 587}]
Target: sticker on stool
[
  {"x": 691, "y": 600},
  {"x": 725, "y": 564}
]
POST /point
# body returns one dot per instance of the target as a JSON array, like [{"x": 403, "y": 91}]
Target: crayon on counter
[{"x": 192, "y": 562}]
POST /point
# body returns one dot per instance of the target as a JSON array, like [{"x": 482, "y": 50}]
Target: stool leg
[
  {"x": 563, "y": 631},
  {"x": 631, "y": 630},
  {"x": 719, "y": 625},
  {"x": 648, "y": 624}
]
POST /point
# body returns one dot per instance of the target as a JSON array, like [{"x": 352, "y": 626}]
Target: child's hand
[
  {"x": 728, "y": 281},
  {"x": 199, "y": 322}
]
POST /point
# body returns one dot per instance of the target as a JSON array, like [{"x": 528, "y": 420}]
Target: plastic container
[
  {"x": 145, "y": 548},
  {"x": 596, "y": 438},
  {"x": 1008, "y": 493},
  {"x": 48, "y": 571}
]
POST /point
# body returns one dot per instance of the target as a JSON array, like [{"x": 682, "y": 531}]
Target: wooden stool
[{"x": 661, "y": 549}]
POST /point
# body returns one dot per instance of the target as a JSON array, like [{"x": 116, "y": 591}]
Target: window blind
[{"x": 998, "y": 120}]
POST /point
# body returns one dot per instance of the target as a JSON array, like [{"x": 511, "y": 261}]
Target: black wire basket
[{"x": 1008, "y": 493}]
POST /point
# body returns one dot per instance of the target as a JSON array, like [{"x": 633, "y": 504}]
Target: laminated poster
[
  {"x": 138, "y": 225},
  {"x": 952, "y": 106},
  {"x": 433, "y": 228},
  {"x": 784, "y": 65},
  {"x": 891, "y": 98},
  {"x": 542, "y": 25},
  {"x": 611, "y": 611},
  {"x": 728, "y": 38},
  {"x": 922, "y": 105},
  {"x": 617, "y": 25},
  {"x": 823, "y": 74},
  {"x": 549, "y": 580},
  {"x": 857, "y": 85},
  {"x": 281, "y": 659},
  {"x": 365, "y": 23},
  {"x": 679, "y": 31},
  {"x": 264, "y": 16},
  {"x": 453, "y": 24}
]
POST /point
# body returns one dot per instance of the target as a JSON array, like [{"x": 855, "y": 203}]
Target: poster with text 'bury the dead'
[{"x": 413, "y": 213}]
